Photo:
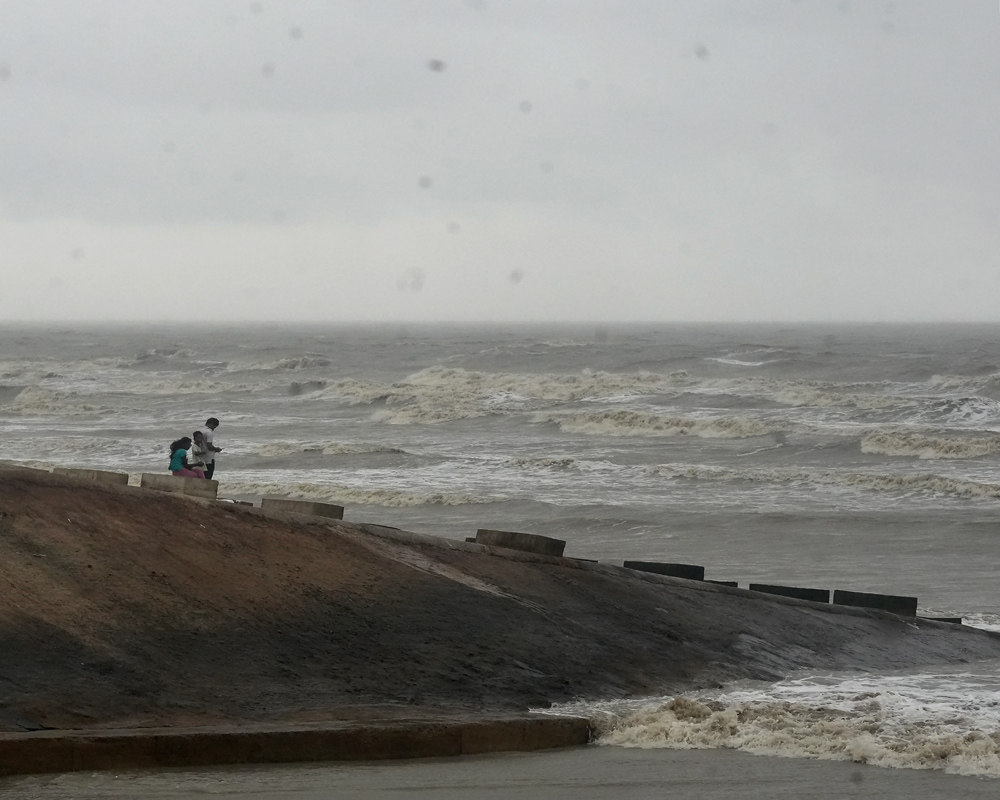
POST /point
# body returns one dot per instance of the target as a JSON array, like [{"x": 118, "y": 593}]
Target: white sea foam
[
  {"x": 622, "y": 422},
  {"x": 948, "y": 721},
  {"x": 900, "y": 443},
  {"x": 904, "y": 483},
  {"x": 276, "y": 449},
  {"x": 349, "y": 495}
]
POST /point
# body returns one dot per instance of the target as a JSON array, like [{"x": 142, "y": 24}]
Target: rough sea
[{"x": 838, "y": 457}]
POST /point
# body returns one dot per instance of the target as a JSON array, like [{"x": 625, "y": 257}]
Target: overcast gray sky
[{"x": 500, "y": 160}]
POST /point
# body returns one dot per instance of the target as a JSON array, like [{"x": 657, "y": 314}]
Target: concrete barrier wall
[
  {"x": 529, "y": 542},
  {"x": 287, "y": 506},
  {"x": 193, "y": 487},
  {"x": 50, "y": 751},
  {"x": 690, "y": 571},
  {"x": 897, "y": 604},
  {"x": 816, "y": 595},
  {"x": 120, "y": 478}
]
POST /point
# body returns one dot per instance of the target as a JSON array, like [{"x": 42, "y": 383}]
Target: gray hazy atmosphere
[{"x": 506, "y": 161}]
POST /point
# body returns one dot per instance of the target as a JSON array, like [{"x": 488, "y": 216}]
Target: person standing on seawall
[{"x": 210, "y": 449}]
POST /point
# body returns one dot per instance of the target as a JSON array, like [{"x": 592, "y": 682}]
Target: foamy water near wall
[{"x": 942, "y": 719}]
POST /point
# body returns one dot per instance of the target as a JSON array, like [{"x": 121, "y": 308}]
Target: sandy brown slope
[{"x": 120, "y": 606}]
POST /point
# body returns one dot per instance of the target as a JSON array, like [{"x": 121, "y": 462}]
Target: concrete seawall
[{"x": 73, "y": 751}]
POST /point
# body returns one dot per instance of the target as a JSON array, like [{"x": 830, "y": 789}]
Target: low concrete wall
[
  {"x": 816, "y": 595},
  {"x": 529, "y": 542},
  {"x": 99, "y": 475},
  {"x": 287, "y": 506},
  {"x": 193, "y": 487},
  {"x": 690, "y": 571},
  {"x": 61, "y": 751},
  {"x": 896, "y": 604}
]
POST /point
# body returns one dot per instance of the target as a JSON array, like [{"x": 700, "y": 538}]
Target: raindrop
[
  {"x": 454, "y": 227},
  {"x": 78, "y": 253},
  {"x": 267, "y": 70},
  {"x": 411, "y": 281},
  {"x": 295, "y": 33},
  {"x": 256, "y": 8},
  {"x": 4, "y": 72},
  {"x": 525, "y": 107},
  {"x": 424, "y": 182},
  {"x": 169, "y": 147},
  {"x": 436, "y": 65},
  {"x": 701, "y": 51},
  {"x": 516, "y": 276}
]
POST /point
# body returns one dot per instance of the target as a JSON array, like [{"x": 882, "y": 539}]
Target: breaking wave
[
  {"x": 633, "y": 423},
  {"x": 349, "y": 495},
  {"x": 36, "y": 401},
  {"x": 948, "y": 722},
  {"x": 277, "y": 449},
  {"x": 915, "y": 482},
  {"x": 543, "y": 463},
  {"x": 806, "y": 396},
  {"x": 461, "y": 384},
  {"x": 912, "y": 444},
  {"x": 308, "y": 361}
]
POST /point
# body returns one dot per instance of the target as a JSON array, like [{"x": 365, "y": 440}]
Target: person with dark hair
[
  {"x": 210, "y": 449},
  {"x": 179, "y": 465}
]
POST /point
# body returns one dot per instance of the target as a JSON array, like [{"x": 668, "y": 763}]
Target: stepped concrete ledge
[
  {"x": 815, "y": 595},
  {"x": 192, "y": 487},
  {"x": 286, "y": 505},
  {"x": 691, "y": 572},
  {"x": 18, "y": 468},
  {"x": 894, "y": 604},
  {"x": 102, "y": 476},
  {"x": 528, "y": 542},
  {"x": 73, "y": 751}
]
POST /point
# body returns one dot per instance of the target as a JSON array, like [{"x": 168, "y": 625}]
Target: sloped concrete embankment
[{"x": 124, "y": 608}]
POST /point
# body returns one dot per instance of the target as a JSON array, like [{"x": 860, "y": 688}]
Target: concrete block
[
  {"x": 16, "y": 468},
  {"x": 193, "y": 487},
  {"x": 953, "y": 620},
  {"x": 120, "y": 478},
  {"x": 816, "y": 595},
  {"x": 313, "y": 509},
  {"x": 528, "y": 542},
  {"x": 734, "y": 584},
  {"x": 896, "y": 604},
  {"x": 690, "y": 571}
]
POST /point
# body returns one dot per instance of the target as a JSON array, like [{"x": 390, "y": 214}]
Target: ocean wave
[
  {"x": 37, "y": 401},
  {"x": 441, "y": 383},
  {"x": 915, "y": 482},
  {"x": 277, "y": 449},
  {"x": 947, "y": 722},
  {"x": 189, "y": 385},
  {"x": 736, "y": 362},
  {"x": 891, "y": 443},
  {"x": 808, "y": 396},
  {"x": 308, "y": 361},
  {"x": 541, "y": 463},
  {"x": 633, "y": 423},
  {"x": 349, "y": 495},
  {"x": 964, "y": 410}
]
